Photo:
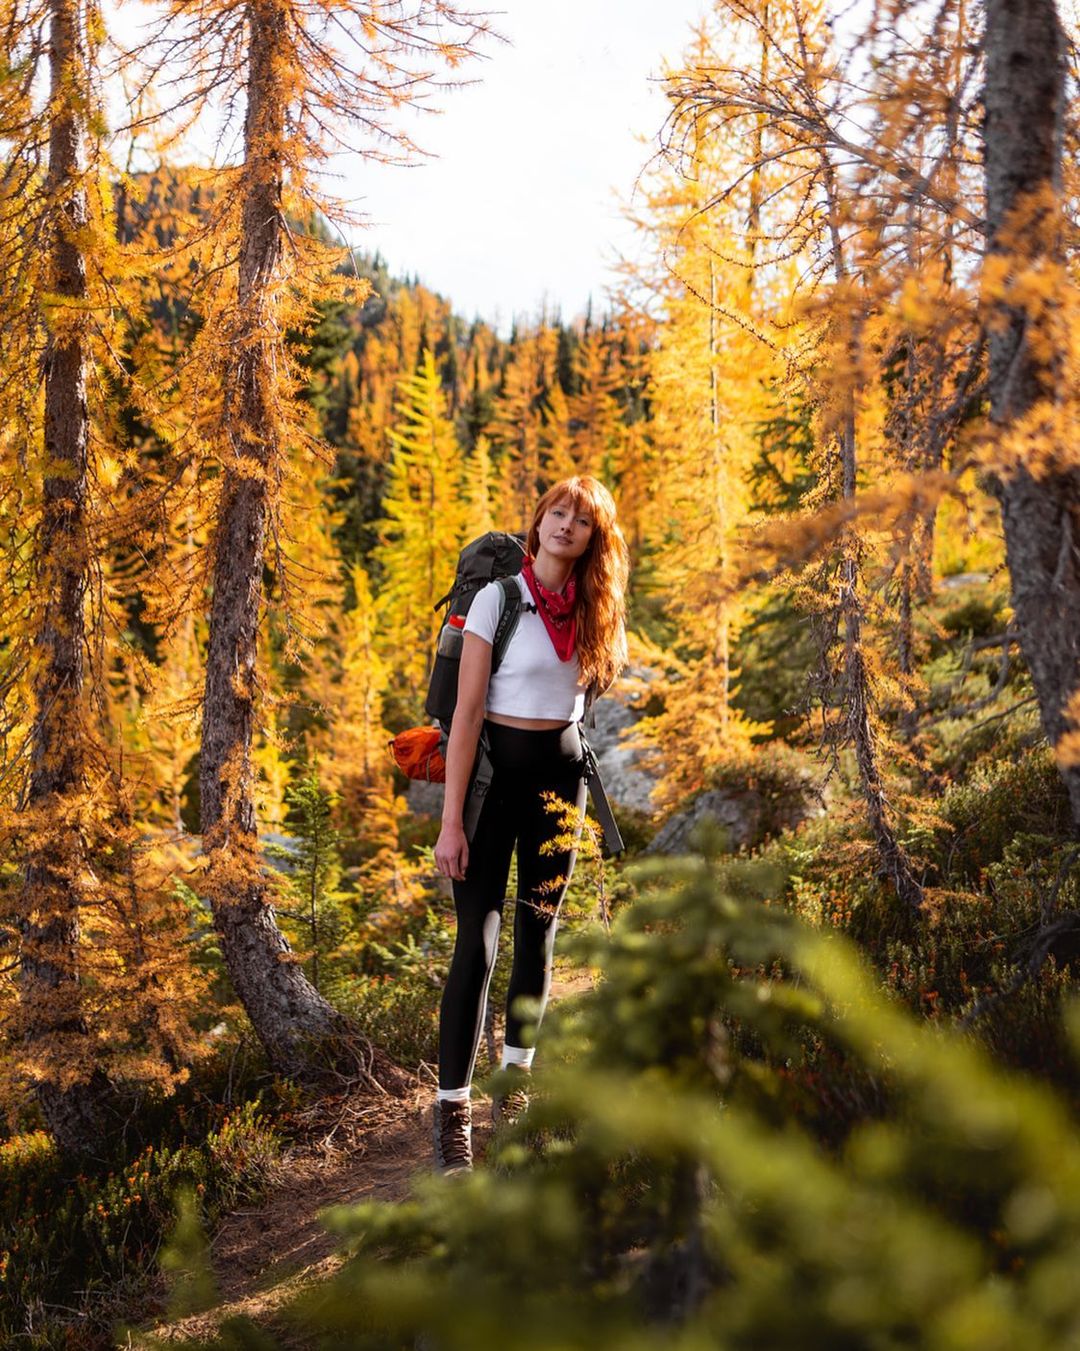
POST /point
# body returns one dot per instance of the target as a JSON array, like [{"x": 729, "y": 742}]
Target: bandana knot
[{"x": 556, "y": 609}]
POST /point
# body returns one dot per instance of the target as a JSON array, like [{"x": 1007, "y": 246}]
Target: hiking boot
[
  {"x": 452, "y": 1131},
  {"x": 511, "y": 1102}
]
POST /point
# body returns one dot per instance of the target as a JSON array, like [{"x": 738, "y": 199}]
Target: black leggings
[{"x": 526, "y": 764}]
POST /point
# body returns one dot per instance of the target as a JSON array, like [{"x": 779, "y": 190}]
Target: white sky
[{"x": 521, "y": 204}]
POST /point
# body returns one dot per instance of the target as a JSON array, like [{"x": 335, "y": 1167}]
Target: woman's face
[{"x": 565, "y": 532}]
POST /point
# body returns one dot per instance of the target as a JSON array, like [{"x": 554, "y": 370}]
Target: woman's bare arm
[{"x": 452, "y": 850}]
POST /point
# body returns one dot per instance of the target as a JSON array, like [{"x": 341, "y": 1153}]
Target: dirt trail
[{"x": 263, "y": 1255}]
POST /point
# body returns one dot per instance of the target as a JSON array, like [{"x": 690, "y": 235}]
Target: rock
[
  {"x": 959, "y": 579},
  {"x": 739, "y": 815},
  {"x": 747, "y": 813},
  {"x": 627, "y": 783},
  {"x": 425, "y": 799}
]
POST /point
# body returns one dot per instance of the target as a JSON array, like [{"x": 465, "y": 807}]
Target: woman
[{"x": 570, "y": 637}]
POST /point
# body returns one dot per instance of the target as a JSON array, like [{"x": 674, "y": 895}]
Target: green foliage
[
  {"x": 72, "y": 1242},
  {"x": 977, "y": 615},
  {"x": 186, "y": 1261},
  {"x": 999, "y": 801},
  {"x": 773, "y": 654},
  {"x": 317, "y": 914},
  {"x": 381, "y": 964},
  {"x": 776, "y": 774},
  {"x": 1007, "y": 732},
  {"x": 997, "y": 866},
  {"x": 397, "y": 1004},
  {"x": 782, "y": 472},
  {"x": 653, "y": 1196}
]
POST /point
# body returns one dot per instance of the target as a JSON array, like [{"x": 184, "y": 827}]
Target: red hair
[{"x": 602, "y": 573}]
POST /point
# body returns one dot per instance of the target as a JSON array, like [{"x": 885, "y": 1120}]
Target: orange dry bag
[{"x": 418, "y": 754}]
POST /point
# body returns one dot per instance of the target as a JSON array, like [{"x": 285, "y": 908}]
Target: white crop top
[{"x": 531, "y": 681}]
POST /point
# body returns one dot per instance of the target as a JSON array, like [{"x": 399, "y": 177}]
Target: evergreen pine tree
[{"x": 424, "y": 525}]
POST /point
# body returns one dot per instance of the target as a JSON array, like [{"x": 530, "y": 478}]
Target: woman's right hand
[{"x": 452, "y": 851}]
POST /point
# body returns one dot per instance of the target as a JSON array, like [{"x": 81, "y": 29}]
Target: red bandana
[{"x": 556, "y": 609}]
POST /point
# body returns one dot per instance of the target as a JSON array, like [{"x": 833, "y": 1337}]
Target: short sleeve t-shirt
[{"x": 531, "y": 681}]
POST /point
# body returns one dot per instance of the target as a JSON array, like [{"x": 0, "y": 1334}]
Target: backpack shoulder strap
[
  {"x": 591, "y": 696},
  {"x": 508, "y": 619}
]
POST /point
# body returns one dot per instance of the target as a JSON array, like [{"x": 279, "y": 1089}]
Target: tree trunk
[
  {"x": 73, "y": 1093},
  {"x": 717, "y": 505},
  {"x": 290, "y": 1017},
  {"x": 1023, "y": 130},
  {"x": 893, "y": 860}
]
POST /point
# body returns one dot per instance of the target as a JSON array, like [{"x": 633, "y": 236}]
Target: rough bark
[
  {"x": 893, "y": 860},
  {"x": 1023, "y": 130},
  {"x": 55, "y": 1035},
  {"x": 294, "y": 1022}
]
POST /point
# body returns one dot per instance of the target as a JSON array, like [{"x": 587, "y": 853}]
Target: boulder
[
  {"x": 627, "y": 782},
  {"x": 424, "y": 799},
  {"x": 748, "y": 812},
  {"x": 961, "y": 579}
]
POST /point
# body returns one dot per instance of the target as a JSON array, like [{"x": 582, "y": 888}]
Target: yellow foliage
[
  {"x": 423, "y": 530},
  {"x": 709, "y": 375},
  {"x": 1067, "y": 750},
  {"x": 348, "y": 680}
]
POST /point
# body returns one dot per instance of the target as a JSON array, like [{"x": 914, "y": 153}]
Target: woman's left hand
[{"x": 452, "y": 852}]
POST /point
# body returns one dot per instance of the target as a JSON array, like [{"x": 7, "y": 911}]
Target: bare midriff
[{"x": 529, "y": 724}]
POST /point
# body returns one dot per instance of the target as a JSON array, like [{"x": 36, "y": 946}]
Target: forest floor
[{"x": 263, "y": 1255}]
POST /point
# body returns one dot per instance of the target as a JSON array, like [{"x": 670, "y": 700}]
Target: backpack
[{"x": 495, "y": 557}]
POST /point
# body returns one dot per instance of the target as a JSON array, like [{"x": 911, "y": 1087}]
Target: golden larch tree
[
  {"x": 105, "y": 986},
  {"x": 306, "y": 79}
]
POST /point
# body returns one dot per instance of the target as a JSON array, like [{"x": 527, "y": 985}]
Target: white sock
[
  {"x": 518, "y": 1055},
  {"x": 454, "y": 1094}
]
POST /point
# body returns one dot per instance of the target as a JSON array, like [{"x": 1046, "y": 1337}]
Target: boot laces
[
  {"x": 511, "y": 1105},
  {"x": 455, "y": 1144}
]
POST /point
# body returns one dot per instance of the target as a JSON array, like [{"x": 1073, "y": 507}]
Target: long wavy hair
[{"x": 602, "y": 573}]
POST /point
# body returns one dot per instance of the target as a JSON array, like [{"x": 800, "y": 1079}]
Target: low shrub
[
  {"x": 979, "y": 612},
  {"x": 397, "y": 1003},
  {"x": 994, "y": 871},
  {"x": 399, "y": 1012},
  {"x": 653, "y": 1196},
  {"x": 1006, "y": 730},
  {"x": 72, "y": 1243},
  {"x": 1001, "y": 800},
  {"x": 752, "y": 797}
]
